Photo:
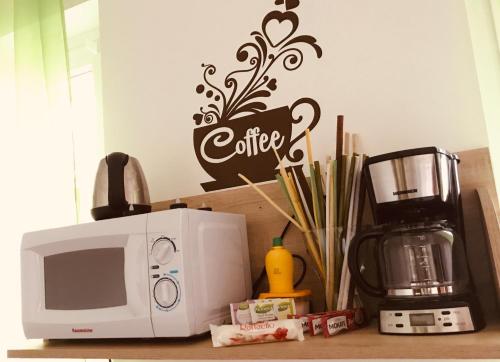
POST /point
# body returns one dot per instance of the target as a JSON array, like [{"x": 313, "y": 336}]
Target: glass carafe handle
[{"x": 353, "y": 262}]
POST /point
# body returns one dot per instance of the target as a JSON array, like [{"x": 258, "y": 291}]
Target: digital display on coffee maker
[{"x": 422, "y": 319}]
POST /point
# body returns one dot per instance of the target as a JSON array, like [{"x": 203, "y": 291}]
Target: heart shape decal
[
  {"x": 272, "y": 84},
  {"x": 290, "y": 4},
  {"x": 278, "y": 27},
  {"x": 198, "y": 118}
]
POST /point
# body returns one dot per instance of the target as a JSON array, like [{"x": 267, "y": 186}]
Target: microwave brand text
[
  {"x": 82, "y": 330},
  {"x": 405, "y": 192}
]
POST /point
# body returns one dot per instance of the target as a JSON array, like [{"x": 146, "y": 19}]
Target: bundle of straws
[{"x": 325, "y": 208}]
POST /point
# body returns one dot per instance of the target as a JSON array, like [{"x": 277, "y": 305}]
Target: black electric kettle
[{"x": 120, "y": 188}]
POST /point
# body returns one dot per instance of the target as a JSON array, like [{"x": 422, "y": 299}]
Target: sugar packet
[{"x": 261, "y": 310}]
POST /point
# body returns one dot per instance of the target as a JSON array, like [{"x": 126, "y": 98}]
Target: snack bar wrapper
[
  {"x": 315, "y": 325},
  {"x": 304, "y": 320},
  {"x": 344, "y": 320},
  {"x": 311, "y": 322},
  {"x": 263, "y": 332},
  {"x": 334, "y": 321}
]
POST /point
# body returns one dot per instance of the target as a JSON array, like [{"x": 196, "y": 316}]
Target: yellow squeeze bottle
[{"x": 279, "y": 268}]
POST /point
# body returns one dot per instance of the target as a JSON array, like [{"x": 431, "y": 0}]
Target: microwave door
[
  {"x": 222, "y": 272},
  {"x": 90, "y": 287}
]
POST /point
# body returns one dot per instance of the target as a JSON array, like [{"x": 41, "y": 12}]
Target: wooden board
[
  {"x": 491, "y": 225},
  {"x": 475, "y": 172},
  {"x": 264, "y": 222},
  {"x": 360, "y": 344}
]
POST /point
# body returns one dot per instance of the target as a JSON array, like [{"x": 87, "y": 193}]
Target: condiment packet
[
  {"x": 283, "y": 308},
  {"x": 261, "y": 310},
  {"x": 344, "y": 320},
  {"x": 264, "y": 332},
  {"x": 240, "y": 313}
]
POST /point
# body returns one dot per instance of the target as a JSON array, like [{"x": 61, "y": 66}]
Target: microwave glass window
[{"x": 86, "y": 279}]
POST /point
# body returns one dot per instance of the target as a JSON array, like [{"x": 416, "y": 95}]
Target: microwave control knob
[
  {"x": 163, "y": 250},
  {"x": 165, "y": 292}
]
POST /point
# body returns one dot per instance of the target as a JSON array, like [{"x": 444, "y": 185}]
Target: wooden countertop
[
  {"x": 363, "y": 343},
  {"x": 263, "y": 223}
]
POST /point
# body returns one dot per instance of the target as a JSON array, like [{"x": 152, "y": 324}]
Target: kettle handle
[
  {"x": 352, "y": 261},
  {"x": 116, "y": 185}
]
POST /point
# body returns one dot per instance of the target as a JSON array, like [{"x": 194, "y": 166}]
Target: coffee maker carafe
[{"x": 419, "y": 244}]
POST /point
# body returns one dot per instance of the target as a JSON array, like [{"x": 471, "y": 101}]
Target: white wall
[
  {"x": 484, "y": 21},
  {"x": 401, "y": 71}
]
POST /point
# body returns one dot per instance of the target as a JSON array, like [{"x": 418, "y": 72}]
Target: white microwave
[{"x": 164, "y": 274}]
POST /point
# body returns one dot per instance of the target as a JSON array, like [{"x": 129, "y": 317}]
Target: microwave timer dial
[
  {"x": 163, "y": 250},
  {"x": 166, "y": 293}
]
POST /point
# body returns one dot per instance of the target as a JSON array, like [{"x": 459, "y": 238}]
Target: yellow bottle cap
[{"x": 294, "y": 294}]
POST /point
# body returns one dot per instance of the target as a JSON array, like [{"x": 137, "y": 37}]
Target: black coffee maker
[{"x": 423, "y": 272}]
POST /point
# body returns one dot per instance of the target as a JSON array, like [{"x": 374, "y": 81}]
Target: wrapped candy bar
[
  {"x": 311, "y": 322},
  {"x": 264, "y": 332},
  {"x": 304, "y": 321},
  {"x": 315, "y": 326},
  {"x": 345, "y": 320},
  {"x": 330, "y": 323}
]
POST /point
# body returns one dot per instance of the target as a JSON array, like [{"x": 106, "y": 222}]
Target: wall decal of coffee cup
[{"x": 236, "y": 132}]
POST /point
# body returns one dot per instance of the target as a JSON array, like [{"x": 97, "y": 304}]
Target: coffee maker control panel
[{"x": 426, "y": 321}]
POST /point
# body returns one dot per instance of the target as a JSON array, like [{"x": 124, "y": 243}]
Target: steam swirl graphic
[{"x": 260, "y": 56}]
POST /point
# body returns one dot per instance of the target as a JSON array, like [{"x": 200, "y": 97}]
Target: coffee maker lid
[{"x": 410, "y": 152}]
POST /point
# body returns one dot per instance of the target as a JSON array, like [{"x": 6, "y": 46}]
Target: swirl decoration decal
[{"x": 266, "y": 50}]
